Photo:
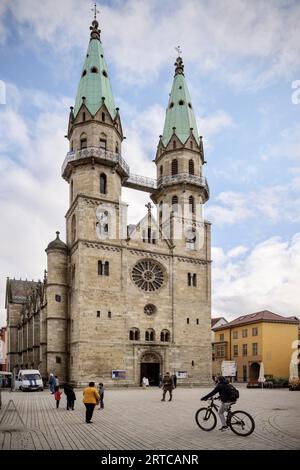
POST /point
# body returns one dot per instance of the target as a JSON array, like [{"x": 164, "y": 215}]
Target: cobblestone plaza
[{"x": 137, "y": 419}]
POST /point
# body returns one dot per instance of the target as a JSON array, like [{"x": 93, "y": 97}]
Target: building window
[
  {"x": 245, "y": 350},
  {"x": 190, "y": 240},
  {"x": 117, "y": 148},
  {"x": 58, "y": 298},
  {"x": 160, "y": 212},
  {"x": 191, "y": 167},
  {"x": 175, "y": 203},
  {"x": 193, "y": 363},
  {"x": 235, "y": 335},
  {"x": 220, "y": 350},
  {"x": 188, "y": 321},
  {"x": 103, "y": 181},
  {"x": 192, "y": 204},
  {"x": 98, "y": 313},
  {"x": 192, "y": 145},
  {"x": 103, "y": 144},
  {"x": 58, "y": 360},
  {"x": 94, "y": 70},
  {"x": 197, "y": 321},
  {"x": 150, "y": 309},
  {"x": 104, "y": 73},
  {"x": 150, "y": 335},
  {"x": 83, "y": 142},
  {"x": 103, "y": 117},
  {"x": 73, "y": 228},
  {"x": 71, "y": 191},
  {"x": 134, "y": 334},
  {"x": 83, "y": 116},
  {"x": 83, "y": 73},
  {"x": 192, "y": 279},
  {"x": 161, "y": 170},
  {"x": 254, "y": 349},
  {"x": 254, "y": 331},
  {"x": 165, "y": 336},
  {"x": 235, "y": 350},
  {"x": 222, "y": 337},
  {"x": 174, "y": 144},
  {"x": 245, "y": 333},
  {"x": 109, "y": 314},
  {"x": 72, "y": 325},
  {"x": 103, "y": 268},
  {"x": 174, "y": 167}
]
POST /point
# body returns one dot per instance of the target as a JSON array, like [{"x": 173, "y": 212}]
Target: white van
[{"x": 29, "y": 379}]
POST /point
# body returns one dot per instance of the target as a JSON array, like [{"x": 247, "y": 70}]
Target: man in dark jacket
[
  {"x": 223, "y": 389},
  {"x": 167, "y": 386}
]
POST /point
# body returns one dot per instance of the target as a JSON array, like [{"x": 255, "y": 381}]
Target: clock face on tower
[{"x": 148, "y": 275}]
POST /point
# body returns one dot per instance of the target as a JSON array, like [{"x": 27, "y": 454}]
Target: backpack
[{"x": 233, "y": 392}]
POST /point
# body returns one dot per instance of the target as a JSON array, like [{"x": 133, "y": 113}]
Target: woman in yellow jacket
[{"x": 91, "y": 398}]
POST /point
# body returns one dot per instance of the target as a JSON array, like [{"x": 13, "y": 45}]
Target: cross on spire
[
  {"x": 95, "y": 10},
  {"x": 179, "y": 51},
  {"x": 149, "y": 206}
]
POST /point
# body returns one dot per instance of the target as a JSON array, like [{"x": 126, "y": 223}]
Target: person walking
[
  {"x": 51, "y": 383},
  {"x": 145, "y": 382},
  {"x": 174, "y": 378},
  {"x": 91, "y": 398},
  {"x": 56, "y": 381},
  {"x": 57, "y": 396},
  {"x": 167, "y": 386},
  {"x": 71, "y": 397},
  {"x": 101, "y": 393}
]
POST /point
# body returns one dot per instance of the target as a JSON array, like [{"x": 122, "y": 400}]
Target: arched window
[
  {"x": 71, "y": 191},
  {"x": 191, "y": 167},
  {"x": 150, "y": 335},
  {"x": 174, "y": 144},
  {"x": 194, "y": 280},
  {"x": 103, "y": 144},
  {"x": 174, "y": 167},
  {"x": 94, "y": 70},
  {"x": 175, "y": 203},
  {"x": 134, "y": 334},
  {"x": 192, "y": 145},
  {"x": 165, "y": 336},
  {"x": 100, "y": 268},
  {"x": 83, "y": 116},
  {"x": 192, "y": 204},
  {"x": 161, "y": 170},
  {"x": 71, "y": 146},
  {"x": 189, "y": 279},
  {"x": 83, "y": 141},
  {"x": 160, "y": 211},
  {"x": 103, "y": 183},
  {"x": 106, "y": 268},
  {"x": 117, "y": 147},
  {"x": 103, "y": 117},
  {"x": 73, "y": 228}
]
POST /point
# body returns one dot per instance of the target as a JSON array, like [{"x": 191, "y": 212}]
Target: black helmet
[{"x": 222, "y": 379}]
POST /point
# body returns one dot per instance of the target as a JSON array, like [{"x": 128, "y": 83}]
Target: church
[{"x": 119, "y": 302}]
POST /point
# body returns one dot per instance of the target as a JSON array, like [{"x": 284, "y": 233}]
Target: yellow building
[{"x": 251, "y": 340}]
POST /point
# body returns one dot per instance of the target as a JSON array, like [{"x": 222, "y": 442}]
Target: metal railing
[
  {"x": 96, "y": 152},
  {"x": 182, "y": 178},
  {"x": 143, "y": 181}
]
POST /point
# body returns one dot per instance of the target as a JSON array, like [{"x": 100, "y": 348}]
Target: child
[
  {"x": 57, "y": 396},
  {"x": 101, "y": 393}
]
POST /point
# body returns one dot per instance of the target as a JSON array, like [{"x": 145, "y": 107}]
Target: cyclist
[{"x": 224, "y": 389}]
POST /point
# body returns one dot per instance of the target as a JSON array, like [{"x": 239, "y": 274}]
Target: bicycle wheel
[
  {"x": 241, "y": 423},
  {"x": 206, "y": 419}
]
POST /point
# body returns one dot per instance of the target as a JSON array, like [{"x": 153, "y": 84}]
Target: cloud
[
  {"x": 286, "y": 145},
  {"x": 267, "y": 278},
  {"x": 251, "y": 43},
  {"x": 271, "y": 204}
]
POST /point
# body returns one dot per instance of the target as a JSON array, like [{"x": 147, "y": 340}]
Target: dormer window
[
  {"x": 103, "y": 117},
  {"x": 171, "y": 105},
  {"x": 94, "y": 70},
  {"x": 189, "y": 105},
  {"x": 104, "y": 73},
  {"x": 83, "y": 73},
  {"x": 83, "y": 116},
  {"x": 181, "y": 102}
]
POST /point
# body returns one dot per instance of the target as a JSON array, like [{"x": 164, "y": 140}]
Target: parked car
[{"x": 29, "y": 379}]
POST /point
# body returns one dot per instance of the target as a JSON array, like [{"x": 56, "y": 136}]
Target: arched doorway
[
  {"x": 254, "y": 371},
  {"x": 150, "y": 368}
]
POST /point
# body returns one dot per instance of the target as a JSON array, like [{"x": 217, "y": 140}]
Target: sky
[{"x": 242, "y": 67}]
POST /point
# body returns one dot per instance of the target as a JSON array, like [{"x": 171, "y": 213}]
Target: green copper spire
[
  {"x": 94, "y": 84},
  {"x": 180, "y": 116}
]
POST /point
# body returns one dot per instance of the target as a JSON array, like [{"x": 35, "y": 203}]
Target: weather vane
[
  {"x": 95, "y": 10},
  {"x": 179, "y": 51}
]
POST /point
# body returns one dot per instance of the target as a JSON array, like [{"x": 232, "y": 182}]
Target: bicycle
[{"x": 240, "y": 422}]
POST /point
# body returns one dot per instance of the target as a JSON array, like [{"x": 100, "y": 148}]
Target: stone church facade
[{"x": 119, "y": 302}]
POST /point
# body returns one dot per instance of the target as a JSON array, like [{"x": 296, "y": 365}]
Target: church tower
[{"x": 94, "y": 170}]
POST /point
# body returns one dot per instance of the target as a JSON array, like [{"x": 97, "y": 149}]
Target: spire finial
[
  {"x": 179, "y": 67},
  {"x": 95, "y": 10},
  {"x": 95, "y": 32},
  {"x": 149, "y": 206}
]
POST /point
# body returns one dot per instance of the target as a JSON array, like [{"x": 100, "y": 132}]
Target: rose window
[{"x": 148, "y": 275}]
